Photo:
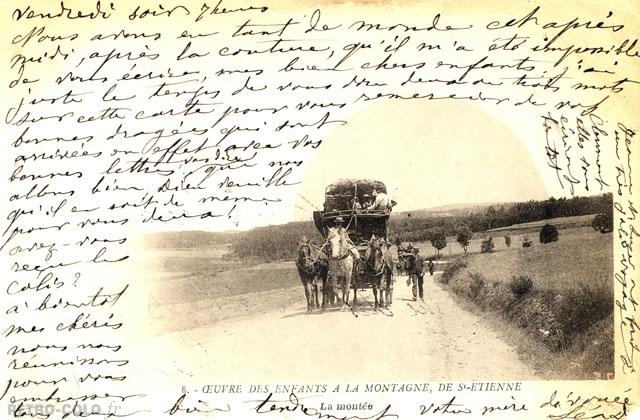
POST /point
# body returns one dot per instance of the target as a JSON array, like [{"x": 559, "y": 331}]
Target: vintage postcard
[{"x": 320, "y": 210}]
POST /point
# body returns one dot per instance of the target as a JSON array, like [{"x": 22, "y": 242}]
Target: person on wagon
[{"x": 381, "y": 201}]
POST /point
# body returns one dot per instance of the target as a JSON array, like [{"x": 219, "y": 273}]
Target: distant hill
[
  {"x": 188, "y": 239},
  {"x": 458, "y": 209}
]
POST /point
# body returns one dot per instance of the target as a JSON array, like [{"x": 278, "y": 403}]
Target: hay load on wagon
[{"x": 340, "y": 194}]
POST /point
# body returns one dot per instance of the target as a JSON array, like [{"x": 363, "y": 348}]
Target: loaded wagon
[{"x": 346, "y": 204}]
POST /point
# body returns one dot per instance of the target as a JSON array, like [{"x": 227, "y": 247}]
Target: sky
[{"x": 428, "y": 154}]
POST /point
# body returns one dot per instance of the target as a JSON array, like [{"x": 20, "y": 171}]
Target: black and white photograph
[{"x": 453, "y": 252}]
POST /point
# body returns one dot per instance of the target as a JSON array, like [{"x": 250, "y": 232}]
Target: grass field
[
  {"x": 189, "y": 277},
  {"x": 201, "y": 286},
  {"x": 260, "y": 278},
  {"x": 559, "y": 222},
  {"x": 516, "y": 232},
  {"x": 579, "y": 256},
  {"x": 195, "y": 261}
]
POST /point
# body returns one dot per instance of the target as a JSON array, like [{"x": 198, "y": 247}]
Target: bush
[
  {"x": 464, "y": 236},
  {"x": 452, "y": 269},
  {"x": 556, "y": 319},
  {"x": 487, "y": 246},
  {"x": 599, "y": 346},
  {"x": 507, "y": 241},
  {"x": 603, "y": 222},
  {"x": 497, "y": 297},
  {"x": 548, "y": 233},
  {"x": 468, "y": 285},
  {"x": 438, "y": 239},
  {"x": 521, "y": 285},
  {"x": 581, "y": 306},
  {"x": 536, "y": 313},
  {"x": 476, "y": 286}
]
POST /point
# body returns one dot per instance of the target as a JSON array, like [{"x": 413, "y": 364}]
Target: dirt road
[{"x": 435, "y": 340}]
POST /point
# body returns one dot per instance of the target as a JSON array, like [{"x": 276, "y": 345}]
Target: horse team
[{"x": 338, "y": 262}]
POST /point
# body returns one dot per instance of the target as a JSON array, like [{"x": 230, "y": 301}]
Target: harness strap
[
  {"x": 341, "y": 257},
  {"x": 319, "y": 250},
  {"x": 379, "y": 273},
  {"x": 306, "y": 271}
]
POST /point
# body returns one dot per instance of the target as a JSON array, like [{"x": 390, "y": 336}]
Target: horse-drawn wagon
[
  {"x": 354, "y": 222},
  {"x": 346, "y": 205}
]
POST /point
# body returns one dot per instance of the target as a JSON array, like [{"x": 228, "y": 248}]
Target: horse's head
[
  {"x": 305, "y": 260},
  {"x": 374, "y": 254},
  {"x": 336, "y": 241}
]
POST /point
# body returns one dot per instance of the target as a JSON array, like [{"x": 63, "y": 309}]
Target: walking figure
[{"x": 415, "y": 270}]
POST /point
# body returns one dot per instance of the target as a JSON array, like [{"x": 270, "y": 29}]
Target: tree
[
  {"x": 438, "y": 239},
  {"x": 548, "y": 233},
  {"x": 464, "y": 236},
  {"x": 603, "y": 222},
  {"x": 487, "y": 246},
  {"x": 507, "y": 241}
]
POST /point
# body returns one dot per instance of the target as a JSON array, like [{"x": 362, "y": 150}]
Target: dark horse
[
  {"x": 378, "y": 266},
  {"x": 312, "y": 271}
]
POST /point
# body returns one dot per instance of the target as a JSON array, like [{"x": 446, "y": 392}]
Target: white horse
[{"x": 341, "y": 261}]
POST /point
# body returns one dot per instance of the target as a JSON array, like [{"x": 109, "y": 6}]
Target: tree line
[
  {"x": 280, "y": 241},
  {"x": 496, "y": 216}
]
